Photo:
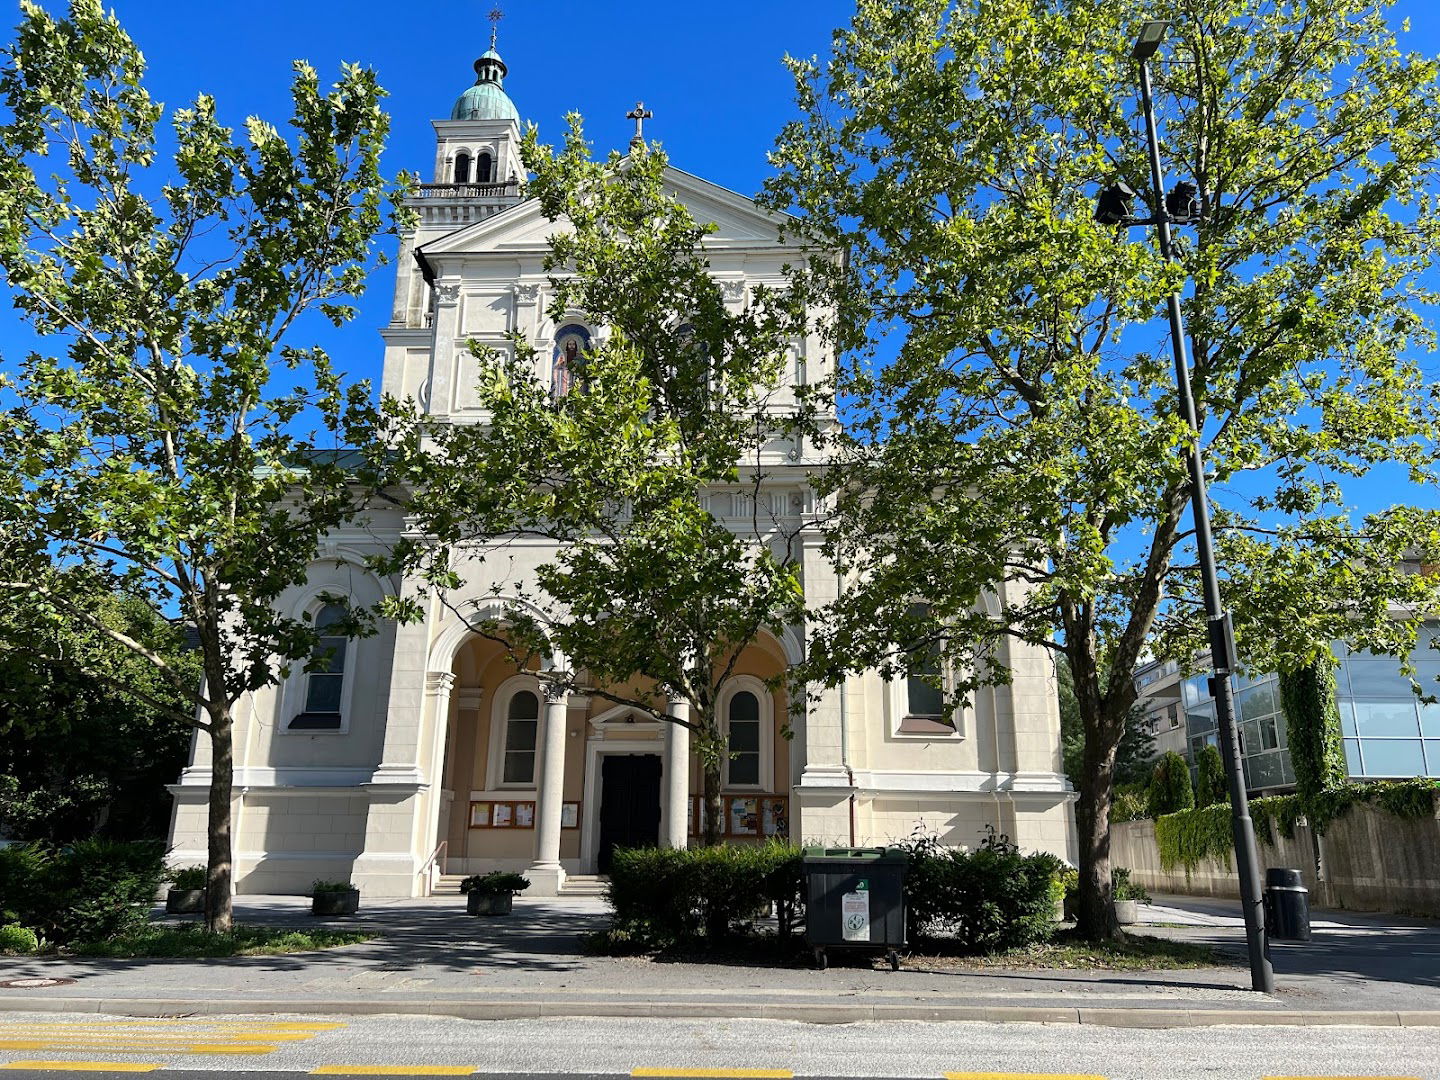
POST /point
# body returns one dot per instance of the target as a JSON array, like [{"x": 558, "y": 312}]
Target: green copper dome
[{"x": 486, "y": 100}]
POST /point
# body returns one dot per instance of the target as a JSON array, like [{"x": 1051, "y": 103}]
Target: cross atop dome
[
  {"x": 496, "y": 14},
  {"x": 487, "y": 100}
]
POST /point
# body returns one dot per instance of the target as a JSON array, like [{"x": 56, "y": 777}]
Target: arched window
[
  {"x": 325, "y": 681},
  {"x": 572, "y": 342},
  {"x": 462, "y": 168},
  {"x": 922, "y": 702},
  {"x": 484, "y": 166},
  {"x": 522, "y": 719},
  {"x": 743, "y": 735}
]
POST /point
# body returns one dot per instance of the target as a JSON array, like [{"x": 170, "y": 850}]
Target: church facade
[{"x": 424, "y": 750}]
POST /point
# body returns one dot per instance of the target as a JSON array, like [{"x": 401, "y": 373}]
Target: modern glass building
[{"x": 1389, "y": 731}]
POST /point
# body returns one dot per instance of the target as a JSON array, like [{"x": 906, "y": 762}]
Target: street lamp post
[{"x": 1222, "y": 641}]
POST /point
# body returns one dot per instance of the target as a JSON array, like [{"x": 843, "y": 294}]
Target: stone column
[
  {"x": 546, "y": 874},
  {"x": 675, "y": 782}
]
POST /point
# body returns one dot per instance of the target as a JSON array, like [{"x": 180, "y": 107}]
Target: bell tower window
[
  {"x": 483, "y": 169},
  {"x": 462, "y": 168}
]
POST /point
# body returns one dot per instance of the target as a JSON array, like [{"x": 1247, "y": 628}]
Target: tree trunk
[
  {"x": 714, "y": 810},
  {"x": 219, "y": 916},
  {"x": 1095, "y": 914}
]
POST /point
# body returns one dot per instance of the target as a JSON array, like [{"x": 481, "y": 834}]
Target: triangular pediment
[{"x": 523, "y": 228}]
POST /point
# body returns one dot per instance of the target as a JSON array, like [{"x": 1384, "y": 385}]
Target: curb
[{"x": 813, "y": 1013}]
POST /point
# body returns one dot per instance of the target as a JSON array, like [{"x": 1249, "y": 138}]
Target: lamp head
[
  {"x": 1116, "y": 204},
  {"x": 1183, "y": 204},
  {"x": 1151, "y": 35}
]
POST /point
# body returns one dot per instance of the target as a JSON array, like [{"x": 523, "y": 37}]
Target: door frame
[{"x": 597, "y": 747}]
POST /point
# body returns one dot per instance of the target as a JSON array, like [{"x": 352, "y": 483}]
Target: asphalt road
[{"x": 199, "y": 1048}]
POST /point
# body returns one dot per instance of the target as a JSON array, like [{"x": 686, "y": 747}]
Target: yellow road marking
[
  {"x": 394, "y": 1070},
  {"x": 148, "y": 1047},
  {"x": 168, "y": 1024},
  {"x": 162, "y": 1036},
  {"x": 1342, "y": 1078},
  {"x": 1021, "y": 1076},
  {"x": 82, "y": 1066},
  {"x": 743, "y": 1074}
]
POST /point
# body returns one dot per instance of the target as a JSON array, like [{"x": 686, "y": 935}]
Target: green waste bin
[{"x": 855, "y": 899}]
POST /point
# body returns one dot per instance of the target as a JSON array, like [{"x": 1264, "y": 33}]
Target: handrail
[
  {"x": 467, "y": 191},
  {"x": 437, "y": 860}
]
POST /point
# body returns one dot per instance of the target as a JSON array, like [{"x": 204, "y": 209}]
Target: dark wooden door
[{"x": 629, "y": 803}]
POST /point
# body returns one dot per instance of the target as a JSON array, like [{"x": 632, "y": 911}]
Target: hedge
[
  {"x": 90, "y": 891},
  {"x": 1312, "y": 723},
  {"x": 1170, "y": 786},
  {"x": 986, "y": 900}
]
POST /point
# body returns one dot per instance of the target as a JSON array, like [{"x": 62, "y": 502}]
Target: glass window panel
[
  {"x": 1257, "y": 701},
  {"x": 520, "y": 735},
  {"x": 330, "y": 651},
  {"x": 1430, "y": 720},
  {"x": 524, "y": 706},
  {"x": 1289, "y": 773},
  {"x": 922, "y": 698},
  {"x": 1376, "y": 678},
  {"x": 1353, "y": 763},
  {"x": 1432, "y": 757},
  {"x": 745, "y": 769},
  {"x": 1266, "y": 771},
  {"x": 745, "y": 738},
  {"x": 329, "y": 615},
  {"x": 744, "y": 708},
  {"x": 1269, "y": 736},
  {"x": 519, "y": 767},
  {"x": 1250, "y": 738},
  {"x": 1281, "y": 730},
  {"x": 323, "y": 693},
  {"x": 1396, "y": 718},
  {"x": 1347, "y": 717},
  {"x": 1393, "y": 757}
]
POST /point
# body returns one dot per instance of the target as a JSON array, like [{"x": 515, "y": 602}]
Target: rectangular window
[
  {"x": 1393, "y": 757},
  {"x": 1387, "y": 718},
  {"x": 1269, "y": 734},
  {"x": 1353, "y": 765},
  {"x": 520, "y": 751}
]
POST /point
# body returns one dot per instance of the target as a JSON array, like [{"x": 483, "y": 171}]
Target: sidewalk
[{"x": 433, "y": 959}]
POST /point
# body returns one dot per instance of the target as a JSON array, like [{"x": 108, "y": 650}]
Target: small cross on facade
[{"x": 639, "y": 114}]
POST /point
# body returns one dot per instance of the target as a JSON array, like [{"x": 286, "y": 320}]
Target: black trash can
[
  {"x": 1287, "y": 905},
  {"x": 855, "y": 899}
]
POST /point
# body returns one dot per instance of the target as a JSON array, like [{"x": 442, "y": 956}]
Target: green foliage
[
  {"x": 18, "y": 939},
  {"x": 1170, "y": 786},
  {"x": 1133, "y": 756},
  {"x": 1131, "y": 802},
  {"x": 187, "y": 878},
  {"x": 1210, "y": 784},
  {"x": 120, "y": 749},
  {"x": 668, "y": 897},
  {"x": 650, "y": 588},
  {"x": 319, "y": 886},
  {"x": 494, "y": 883},
  {"x": 982, "y": 901},
  {"x": 1188, "y": 838},
  {"x": 1312, "y": 721},
  {"x": 1020, "y": 425},
  {"x": 193, "y": 940},
  {"x": 1122, "y": 888},
  {"x": 171, "y": 443},
  {"x": 89, "y": 891}
]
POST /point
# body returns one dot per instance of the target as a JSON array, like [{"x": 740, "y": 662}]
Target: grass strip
[{"x": 168, "y": 941}]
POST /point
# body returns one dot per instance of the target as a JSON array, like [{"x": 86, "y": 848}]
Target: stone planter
[
  {"x": 478, "y": 903},
  {"x": 184, "y": 901},
  {"x": 345, "y": 902},
  {"x": 1127, "y": 912}
]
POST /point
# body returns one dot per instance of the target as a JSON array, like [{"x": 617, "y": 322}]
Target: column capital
[
  {"x": 554, "y": 692},
  {"x": 439, "y": 682}
]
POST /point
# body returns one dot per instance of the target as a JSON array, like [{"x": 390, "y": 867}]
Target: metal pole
[{"x": 1222, "y": 648}]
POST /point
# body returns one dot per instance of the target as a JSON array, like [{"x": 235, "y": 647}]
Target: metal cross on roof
[
  {"x": 639, "y": 114},
  {"x": 495, "y": 16}
]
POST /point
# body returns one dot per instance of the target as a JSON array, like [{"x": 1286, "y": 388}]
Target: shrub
[
  {"x": 1170, "y": 787},
  {"x": 96, "y": 889},
  {"x": 982, "y": 901},
  {"x": 1122, "y": 888},
  {"x": 1312, "y": 722},
  {"x": 494, "y": 883},
  {"x": 188, "y": 878},
  {"x": 20, "y": 869},
  {"x": 321, "y": 886},
  {"x": 18, "y": 939},
  {"x": 1131, "y": 802},
  {"x": 664, "y": 897},
  {"x": 1210, "y": 784}
]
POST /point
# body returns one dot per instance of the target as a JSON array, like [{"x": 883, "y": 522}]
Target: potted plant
[
  {"x": 1127, "y": 896},
  {"x": 334, "y": 898},
  {"x": 187, "y": 891},
  {"x": 492, "y": 893}
]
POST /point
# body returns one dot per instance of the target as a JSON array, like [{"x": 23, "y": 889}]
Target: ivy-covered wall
[{"x": 1374, "y": 858}]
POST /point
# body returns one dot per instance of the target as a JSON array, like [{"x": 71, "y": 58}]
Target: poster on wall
[
  {"x": 744, "y": 817},
  {"x": 777, "y": 817},
  {"x": 570, "y": 815},
  {"x": 479, "y": 815},
  {"x": 525, "y": 815},
  {"x": 504, "y": 815}
]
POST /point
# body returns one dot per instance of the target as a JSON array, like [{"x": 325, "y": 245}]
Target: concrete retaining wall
[{"x": 1371, "y": 860}]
